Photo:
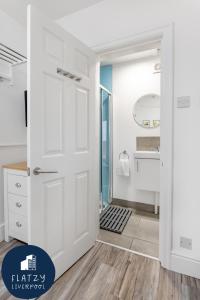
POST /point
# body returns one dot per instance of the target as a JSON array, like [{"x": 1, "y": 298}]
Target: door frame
[{"x": 165, "y": 35}]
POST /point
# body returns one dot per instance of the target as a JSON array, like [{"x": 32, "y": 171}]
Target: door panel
[
  {"x": 54, "y": 46},
  {"x": 53, "y": 131},
  {"x": 54, "y": 241},
  {"x": 82, "y": 119},
  {"x": 81, "y": 211},
  {"x": 81, "y": 63},
  {"x": 61, "y": 138}
]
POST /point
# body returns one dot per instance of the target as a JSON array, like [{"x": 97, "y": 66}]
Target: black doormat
[{"x": 114, "y": 218}]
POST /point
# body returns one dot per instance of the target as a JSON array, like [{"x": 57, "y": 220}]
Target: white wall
[
  {"x": 12, "y": 112},
  {"x": 12, "y": 34},
  {"x": 115, "y": 19},
  {"x": 12, "y": 124},
  {"x": 131, "y": 80}
]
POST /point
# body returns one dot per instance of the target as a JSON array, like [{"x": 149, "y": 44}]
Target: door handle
[{"x": 38, "y": 171}]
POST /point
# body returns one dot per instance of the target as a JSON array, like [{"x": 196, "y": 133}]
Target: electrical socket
[{"x": 186, "y": 243}]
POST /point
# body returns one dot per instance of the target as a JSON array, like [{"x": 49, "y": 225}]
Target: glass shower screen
[{"x": 105, "y": 147}]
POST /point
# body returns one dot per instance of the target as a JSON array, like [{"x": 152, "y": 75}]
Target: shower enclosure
[{"x": 105, "y": 147}]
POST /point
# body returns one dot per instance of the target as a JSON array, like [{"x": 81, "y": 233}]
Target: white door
[{"x": 61, "y": 138}]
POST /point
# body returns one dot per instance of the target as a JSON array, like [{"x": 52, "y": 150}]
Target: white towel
[{"x": 124, "y": 166}]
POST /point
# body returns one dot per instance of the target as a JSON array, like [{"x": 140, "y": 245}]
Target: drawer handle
[
  {"x": 18, "y": 185},
  {"x": 18, "y": 204},
  {"x": 18, "y": 224}
]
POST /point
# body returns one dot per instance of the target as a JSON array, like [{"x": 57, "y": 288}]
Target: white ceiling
[{"x": 54, "y": 8}]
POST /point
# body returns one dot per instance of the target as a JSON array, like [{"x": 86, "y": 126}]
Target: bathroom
[{"x": 130, "y": 148}]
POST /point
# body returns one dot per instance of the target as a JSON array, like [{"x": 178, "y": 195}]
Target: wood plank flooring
[
  {"x": 109, "y": 273},
  {"x": 4, "y": 248}
]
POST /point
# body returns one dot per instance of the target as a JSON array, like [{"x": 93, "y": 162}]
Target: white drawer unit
[
  {"x": 17, "y": 204},
  {"x": 17, "y": 184},
  {"x": 15, "y": 201},
  {"x": 17, "y": 226}
]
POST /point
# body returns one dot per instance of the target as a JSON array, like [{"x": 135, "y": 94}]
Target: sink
[{"x": 147, "y": 154}]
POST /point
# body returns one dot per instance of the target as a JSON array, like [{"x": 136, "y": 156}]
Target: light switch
[{"x": 183, "y": 102}]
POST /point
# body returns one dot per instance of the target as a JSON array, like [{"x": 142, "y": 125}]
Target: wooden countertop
[{"x": 22, "y": 166}]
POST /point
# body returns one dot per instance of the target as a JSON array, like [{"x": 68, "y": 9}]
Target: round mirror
[{"x": 146, "y": 111}]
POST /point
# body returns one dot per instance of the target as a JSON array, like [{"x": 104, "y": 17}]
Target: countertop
[{"x": 21, "y": 166}]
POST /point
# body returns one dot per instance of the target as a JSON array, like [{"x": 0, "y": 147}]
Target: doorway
[
  {"x": 165, "y": 37},
  {"x": 131, "y": 216}
]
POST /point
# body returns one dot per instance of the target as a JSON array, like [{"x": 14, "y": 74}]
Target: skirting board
[
  {"x": 135, "y": 205},
  {"x": 1, "y": 232},
  {"x": 187, "y": 266}
]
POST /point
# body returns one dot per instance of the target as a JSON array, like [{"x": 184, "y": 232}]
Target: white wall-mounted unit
[
  {"x": 8, "y": 58},
  {"x": 147, "y": 171},
  {"x": 11, "y": 56}
]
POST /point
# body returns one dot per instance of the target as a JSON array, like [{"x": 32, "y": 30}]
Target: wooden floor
[
  {"x": 4, "y": 248},
  {"x": 109, "y": 273}
]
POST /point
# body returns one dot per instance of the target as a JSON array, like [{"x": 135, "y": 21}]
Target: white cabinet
[
  {"x": 147, "y": 174},
  {"x": 15, "y": 201}
]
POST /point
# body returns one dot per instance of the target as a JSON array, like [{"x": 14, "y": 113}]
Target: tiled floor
[{"x": 140, "y": 234}]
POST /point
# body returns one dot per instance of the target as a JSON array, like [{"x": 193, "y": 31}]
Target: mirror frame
[{"x": 134, "y": 115}]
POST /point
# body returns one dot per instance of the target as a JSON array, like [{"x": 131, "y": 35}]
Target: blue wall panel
[{"x": 106, "y": 77}]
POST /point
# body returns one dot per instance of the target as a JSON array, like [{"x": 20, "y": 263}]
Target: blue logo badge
[{"x": 28, "y": 272}]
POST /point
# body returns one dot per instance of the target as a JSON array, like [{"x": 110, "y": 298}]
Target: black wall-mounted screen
[{"x": 25, "y": 102}]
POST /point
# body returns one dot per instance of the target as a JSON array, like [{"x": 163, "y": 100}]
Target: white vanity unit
[
  {"x": 147, "y": 173},
  {"x": 15, "y": 201}
]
